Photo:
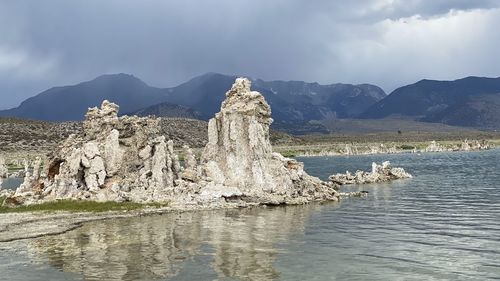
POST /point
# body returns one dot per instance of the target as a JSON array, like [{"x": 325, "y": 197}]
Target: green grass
[
  {"x": 79, "y": 206},
  {"x": 14, "y": 167},
  {"x": 407, "y": 147},
  {"x": 289, "y": 153}
]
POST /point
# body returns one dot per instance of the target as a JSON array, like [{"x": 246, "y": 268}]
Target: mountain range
[
  {"x": 291, "y": 101},
  {"x": 202, "y": 96},
  {"x": 472, "y": 101}
]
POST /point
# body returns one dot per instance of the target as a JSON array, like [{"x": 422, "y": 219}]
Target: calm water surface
[
  {"x": 444, "y": 224},
  {"x": 11, "y": 183}
]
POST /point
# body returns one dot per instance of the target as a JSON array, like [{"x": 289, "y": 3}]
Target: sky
[{"x": 389, "y": 43}]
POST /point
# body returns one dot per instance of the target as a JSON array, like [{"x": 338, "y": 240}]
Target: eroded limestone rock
[
  {"x": 467, "y": 145},
  {"x": 239, "y": 154},
  {"x": 434, "y": 147},
  {"x": 379, "y": 173},
  {"x": 191, "y": 170},
  {"x": 108, "y": 160}
]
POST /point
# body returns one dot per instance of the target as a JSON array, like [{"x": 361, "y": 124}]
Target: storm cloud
[{"x": 389, "y": 43}]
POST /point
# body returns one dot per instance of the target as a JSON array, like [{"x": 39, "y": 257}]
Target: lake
[{"x": 444, "y": 224}]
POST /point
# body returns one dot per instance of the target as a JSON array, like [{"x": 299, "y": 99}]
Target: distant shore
[{"x": 387, "y": 147}]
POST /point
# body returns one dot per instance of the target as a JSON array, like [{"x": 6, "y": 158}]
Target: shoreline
[
  {"x": 29, "y": 225},
  {"x": 17, "y": 226},
  {"x": 360, "y": 149}
]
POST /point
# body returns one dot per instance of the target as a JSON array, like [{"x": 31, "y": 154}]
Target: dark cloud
[{"x": 388, "y": 43}]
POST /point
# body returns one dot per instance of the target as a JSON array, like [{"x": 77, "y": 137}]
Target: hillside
[
  {"x": 42, "y": 136},
  {"x": 471, "y": 101},
  {"x": 481, "y": 111},
  {"x": 70, "y": 103},
  {"x": 31, "y": 135}
]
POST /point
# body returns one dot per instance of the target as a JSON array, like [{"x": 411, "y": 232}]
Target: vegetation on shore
[{"x": 79, "y": 206}]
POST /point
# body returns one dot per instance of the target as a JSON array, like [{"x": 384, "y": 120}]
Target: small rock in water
[
  {"x": 362, "y": 193},
  {"x": 379, "y": 173}
]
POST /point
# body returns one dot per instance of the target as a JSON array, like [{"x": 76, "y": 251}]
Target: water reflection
[{"x": 238, "y": 243}]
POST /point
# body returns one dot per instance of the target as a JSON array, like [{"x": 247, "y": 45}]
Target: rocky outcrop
[
  {"x": 474, "y": 145},
  {"x": 379, "y": 173},
  {"x": 434, "y": 147},
  {"x": 239, "y": 154},
  {"x": 113, "y": 158},
  {"x": 465, "y": 145},
  {"x": 127, "y": 159}
]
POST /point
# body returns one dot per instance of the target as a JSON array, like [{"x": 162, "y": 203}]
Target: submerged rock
[
  {"x": 127, "y": 159},
  {"x": 362, "y": 193},
  {"x": 379, "y": 173}
]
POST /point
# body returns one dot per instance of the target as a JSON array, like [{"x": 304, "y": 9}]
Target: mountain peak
[
  {"x": 117, "y": 78},
  {"x": 211, "y": 75},
  {"x": 71, "y": 102}
]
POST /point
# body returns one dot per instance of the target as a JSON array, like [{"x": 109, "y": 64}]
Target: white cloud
[{"x": 396, "y": 52}]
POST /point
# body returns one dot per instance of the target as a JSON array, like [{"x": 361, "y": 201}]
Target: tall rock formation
[{"x": 239, "y": 154}]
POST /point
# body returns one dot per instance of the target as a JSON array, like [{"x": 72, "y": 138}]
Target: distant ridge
[
  {"x": 470, "y": 101},
  {"x": 290, "y": 100}
]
